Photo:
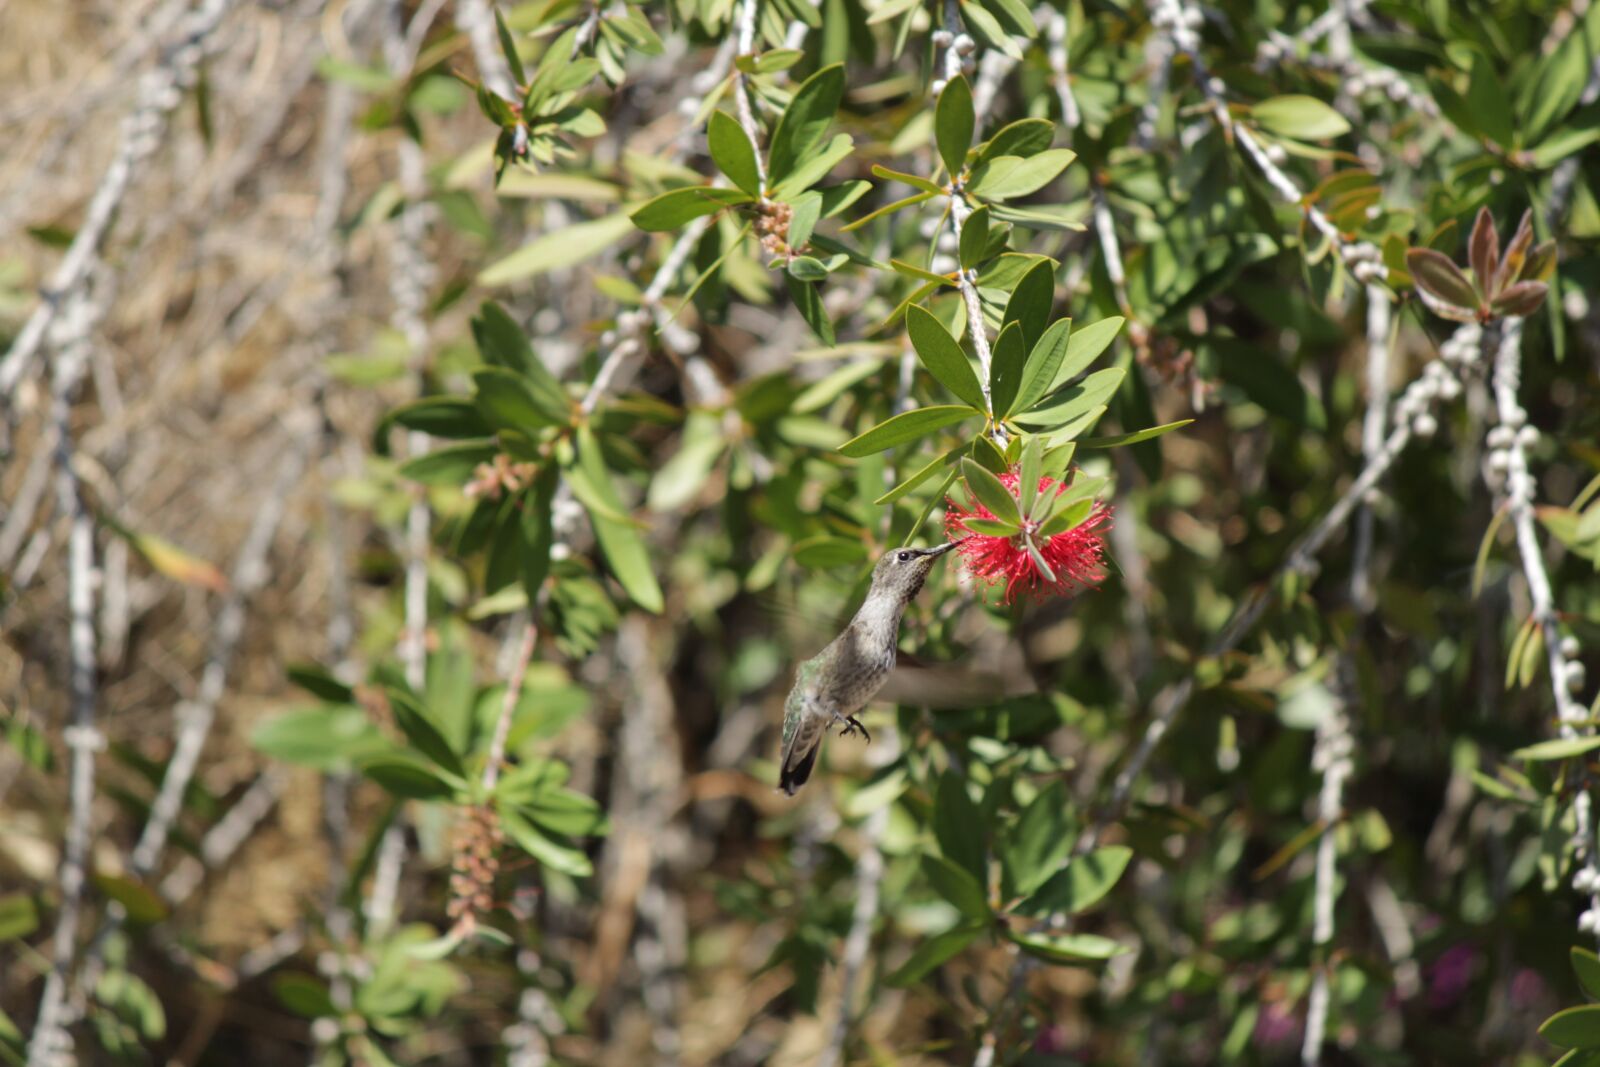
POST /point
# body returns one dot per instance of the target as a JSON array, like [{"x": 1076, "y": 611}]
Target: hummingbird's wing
[
  {"x": 804, "y": 727},
  {"x": 800, "y": 748}
]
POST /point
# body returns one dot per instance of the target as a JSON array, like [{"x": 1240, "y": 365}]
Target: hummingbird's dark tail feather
[{"x": 797, "y": 768}]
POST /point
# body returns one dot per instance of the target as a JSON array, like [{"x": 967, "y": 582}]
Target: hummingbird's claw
[{"x": 853, "y": 724}]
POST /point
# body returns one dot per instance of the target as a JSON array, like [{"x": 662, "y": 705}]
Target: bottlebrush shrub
[{"x": 729, "y": 297}]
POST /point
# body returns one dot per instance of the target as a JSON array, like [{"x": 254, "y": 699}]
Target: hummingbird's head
[{"x": 901, "y": 571}]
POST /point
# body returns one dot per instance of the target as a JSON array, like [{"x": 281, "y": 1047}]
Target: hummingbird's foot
[{"x": 851, "y": 725}]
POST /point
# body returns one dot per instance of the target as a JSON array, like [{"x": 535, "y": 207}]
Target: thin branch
[
  {"x": 741, "y": 88},
  {"x": 508, "y": 706},
  {"x": 1334, "y": 747},
  {"x": 83, "y": 737},
  {"x": 864, "y": 916},
  {"x": 475, "y": 18},
  {"x": 1507, "y": 472},
  {"x": 161, "y": 90}
]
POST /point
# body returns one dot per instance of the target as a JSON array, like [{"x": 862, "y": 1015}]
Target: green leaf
[
  {"x": 1006, "y": 364},
  {"x": 451, "y": 465},
  {"x": 1031, "y": 303},
  {"x": 991, "y": 527},
  {"x": 453, "y": 417},
  {"x": 974, "y": 239},
  {"x": 538, "y": 532},
  {"x": 906, "y": 426},
  {"x": 733, "y": 153},
  {"x": 934, "y": 952},
  {"x": 1076, "y": 401},
  {"x": 1118, "y": 440},
  {"x": 1068, "y": 948},
  {"x": 953, "y": 122},
  {"x": 943, "y": 357},
  {"x": 805, "y": 121},
  {"x": 807, "y": 297},
  {"x": 1573, "y": 1028},
  {"x": 1084, "y": 347},
  {"x": 424, "y": 735},
  {"x": 553, "y": 853},
  {"x": 825, "y": 552},
  {"x": 1304, "y": 118},
  {"x": 1486, "y": 97},
  {"x": 921, "y": 476},
  {"x": 806, "y": 211},
  {"x": 406, "y": 776},
  {"x": 987, "y": 29},
  {"x": 624, "y": 549},
  {"x": 1557, "y": 749},
  {"x": 990, "y": 491},
  {"x": 300, "y": 993},
  {"x": 324, "y": 738},
  {"x": 1080, "y": 885},
  {"x": 1039, "y": 840},
  {"x": 913, "y": 180},
  {"x": 506, "y": 403},
  {"x": 143, "y": 905},
  {"x": 1009, "y": 176},
  {"x": 1023, "y": 138},
  {"x": 1587, "y": 966},
  {"x": 19, "y": 916},
  {"x": 1069, "y": 517},
  {"x": 559, "y": 250},
  {"x": 1043, "y": 365},
  {"x": 957, "y": 886},
  {"x": 502, "y": 342},
  {"x": 958, "y": 826},
  {"x": 678, "y": 206},
  {"x": 813, "y": 168}
]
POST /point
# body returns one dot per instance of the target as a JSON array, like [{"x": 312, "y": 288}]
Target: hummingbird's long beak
[{"x": 940, "y": 550}]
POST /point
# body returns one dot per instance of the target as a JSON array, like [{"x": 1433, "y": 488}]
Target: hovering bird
[{"x": 837, "y": 682}]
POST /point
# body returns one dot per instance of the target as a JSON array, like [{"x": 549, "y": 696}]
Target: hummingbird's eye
[{"x": 905, "y": 557}]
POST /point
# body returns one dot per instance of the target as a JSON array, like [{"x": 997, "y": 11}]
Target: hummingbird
[{"x": 837, "y": 682}]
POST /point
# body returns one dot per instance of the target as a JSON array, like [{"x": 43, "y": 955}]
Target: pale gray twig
[
  {"x": 160, "y": 91},
  {"x": 51, "y": 1039}
]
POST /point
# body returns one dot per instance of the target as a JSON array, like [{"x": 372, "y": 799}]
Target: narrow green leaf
[
  {"x": 1557, "y": 749},
  {"x": 506, "y": 403},
  {"x": 1068, "y": 948},
  {"x": 1043, "y": 365},
  {"x": 678, "y": 206},
  {"x": 1080, "y": 885},
  {"x": 1304, "y": 118},
  {"x": 958, "y": 826},
  {"x": 1031, "y": 303},
  {"x": 953, "y": 122},
  {"x": 974, "y": 239},
  {"x": 1084, "y": 347},
  {"x": 420, "y": 730},
  {"x": 957, "y": 886},
  {"x": 1118, "y": 440},
  {"x": 1573, "y": 1028},
  {"x": 620, "y": 542},
  {"x": 906, "y": 426},
  {"x": 733, "y": 153},
  {"x": 933, "y": 952},
  {"x": 1006, "y": 365},
  {"x": 1587, "y": 966},
  {"x": 943, "y": 357},
  {"x": 805, "y": 120},
  {"x": 991, "y": 492}
]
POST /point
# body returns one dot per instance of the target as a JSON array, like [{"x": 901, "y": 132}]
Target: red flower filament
[{"x": 1076, "y": 555}]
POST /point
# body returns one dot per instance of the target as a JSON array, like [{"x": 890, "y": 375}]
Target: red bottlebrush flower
[{"x": 1076, "y": 556}]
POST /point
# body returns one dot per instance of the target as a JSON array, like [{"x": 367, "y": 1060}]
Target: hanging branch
[{"x": 161, "y": 91}]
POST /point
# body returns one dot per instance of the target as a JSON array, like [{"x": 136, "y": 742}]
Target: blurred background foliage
[{"x": 465, "y": 419}]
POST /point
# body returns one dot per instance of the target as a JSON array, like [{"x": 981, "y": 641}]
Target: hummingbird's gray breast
[{"x": 863, "y": 664}]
